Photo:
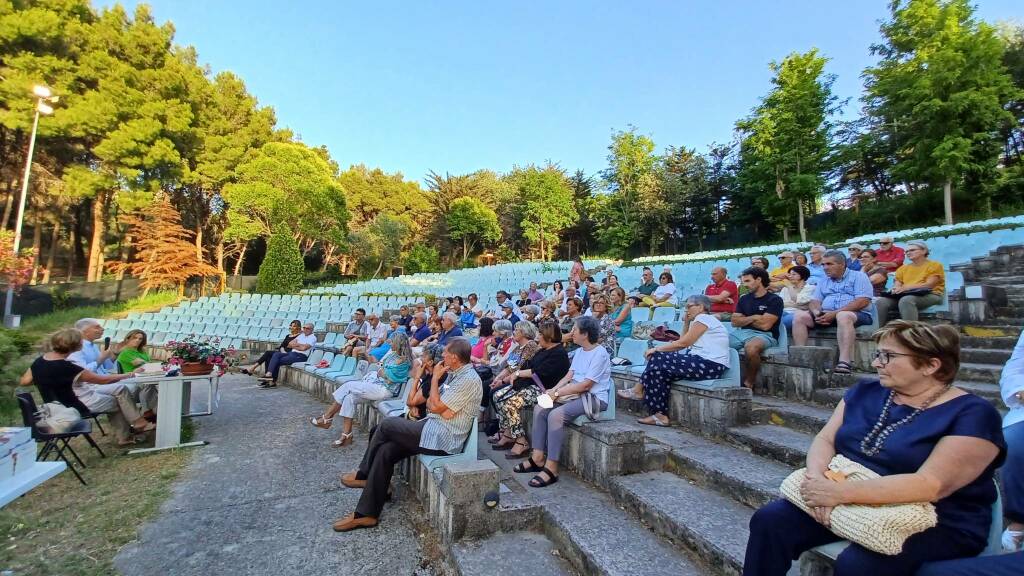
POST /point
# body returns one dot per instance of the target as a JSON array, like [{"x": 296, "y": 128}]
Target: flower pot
[{"x": 195, "y": 368}]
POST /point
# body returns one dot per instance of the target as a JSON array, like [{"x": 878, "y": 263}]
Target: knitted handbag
[{"x": 880, "y": 528}]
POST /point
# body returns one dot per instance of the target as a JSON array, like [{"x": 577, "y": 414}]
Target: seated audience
[
  {"x": 469, "y": 322},
  {"x": 800, "y": 259},
  {"x": 622, "y": 313},
  {"x": 90, "y": 356},
  {"x": 723, "y": 293},
  {"x": 1011, "y": 387},
  {"x": 930, "y": 442},
  {"x": 918, "y": 285},
  {"x": 853, "y": 261},
  {"x": 546, "y": 366},
  {"x": 994, "y": 565},
  {"x": 524, "y": 298},
  {"x": 404, "y": 316},
  {"x": 376, "y": 335},
  {"x": 449, "y": 329},
  {"x": 647, "y": 284},
  {"x": 815, "y": 265},
  {"x": 422, "y": 372},
  {"x": 473, "y": 303},
  {"x": 589, "y": 372},
  {"x": 573, "y": 311},
  {"x": 298, "y": 350},
  {"x": 355, "y": 332},
  {"x": 530, "y": 312},
  {"x": 599, "y": 309},
  {"x": 502, "y": 347},
  {"x": 294, "y": 329},
  {"x": 755, "y": 323},
  {"x": 556, "y": 293},
  {"x": 60, "y": 380},
  {"x": 700, "y": 353},
  {"x": 452, "y": 409},
  {"x": 548, "y": 311},
  {"x": 534, "y": 295},
  {"x": 760, "y": 262},
  {"x": 525, "y": 337},
  {"x": 797, "y": 295},
  {"x": 500, "y": 299},
  {"x": 612, "y": 283},
  {"x": 664, "y": 294},
  {"x": 419, "y": 329},
  {"x": 876, "y": 273},
  {"x": 131, "y": 358},
  {"x": 394, "y": 325},
  {"x": 479, "y": 352},
  {"x": 842, "y": 300},
  {"x": 384, "y": 382},
  {"x": 570, "y": 294},
  {"x": 780, "y": 276},
  {"x": 890, "y": 255},
  {"x": 508, "y": 312}
]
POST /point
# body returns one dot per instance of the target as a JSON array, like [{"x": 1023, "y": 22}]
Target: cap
[{"x": 507, "y": 304}]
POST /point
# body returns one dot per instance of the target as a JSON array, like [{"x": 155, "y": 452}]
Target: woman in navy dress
[{"x": 930, "y": 442}]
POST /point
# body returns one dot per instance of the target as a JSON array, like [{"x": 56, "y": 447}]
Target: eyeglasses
[{"x": 885, "y": 356}]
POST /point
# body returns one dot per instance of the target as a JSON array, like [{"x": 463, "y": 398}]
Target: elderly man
[
  {"x": 647, "y": 285},
  {"x": 534, "y": 294},
  {"x": 419, "y": 331},
  {"x": 723, "y": 294},
  {"x": 843, "y": 300},
  {"x": 90, "y": 356},
  {"x": 376, "y": 334},
  {"x": 508, "y": 312},
  {"x": 355, "y": 333},
  {"x": 780, "y": 275},
  {"x": 889, "y": 255},
  {"x": 449, "y": 329},
  {"x": 853, "y": 262},
  {"x": 298, "y": 351},
  {"x": 500, "y": 298},
  {"x": 452, "y": 408},
  {"x": 755, "y": 323},
  {"x": 815, "y": 265}
]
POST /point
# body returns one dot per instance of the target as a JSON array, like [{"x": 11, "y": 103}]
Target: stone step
[
  {"x": 990, "y": 343},
  {"x": 750, "y": 479},
  {"x": 830, "y": 397},
  {"x": 532, "y": 553},
  {"x": 776, "y": 442},
  {"x": 996, "y": 279},
  {"x": 985, "y": 355},
  {"x": 979, "y": 372},
  {"x": 709, "y": 524},
  {"x": 796, "y": 415}
]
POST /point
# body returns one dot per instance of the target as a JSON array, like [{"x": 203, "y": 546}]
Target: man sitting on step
[
  {"x": 755, "y": 323},
  {"x": 843, "y": 300},
  {"x": 452, "y": 409}
]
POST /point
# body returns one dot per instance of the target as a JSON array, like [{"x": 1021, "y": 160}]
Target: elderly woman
[
  {"x": 600, "y": 309},
  {"x": 60, "y": 380},
  {"x": 919, "y": 284},
  {"x": 928, "y": 440},
  {"x": 422, "y": 372},
  {"x": 385, "y": 382},
  {"x": 664, "y": 294},
  {"x": 546, "y": 367},
  {"x": 622, "y": 312},
  {"x": 877, "y": 273},
  {"x": 700, "y": 353},
  {"x": 524, "y": 298},
  {"x": 294, "y": 329},
  {"x": 530, "y": 312},
  {"x": 589, "y": 372},
  {"x": 548, "y": 311},
  {"x": 800, "y": 259},
  {"x": 797, "y": 294},
  {"x": 525, "y": 337},
  {"x": 573, "y": 310}
]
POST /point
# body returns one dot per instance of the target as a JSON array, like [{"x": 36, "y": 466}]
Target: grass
[
  {"x": 38, "y": 327},
  {"x": 62, "y": 527}
]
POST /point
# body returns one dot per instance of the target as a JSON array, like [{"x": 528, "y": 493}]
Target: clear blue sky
[{"x": 455, "y": 86}]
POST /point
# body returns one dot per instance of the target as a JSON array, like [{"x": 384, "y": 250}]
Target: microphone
[{"x": 106, "y": 343}]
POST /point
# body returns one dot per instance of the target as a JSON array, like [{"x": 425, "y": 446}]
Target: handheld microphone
[{"x": 106, "y": 343}]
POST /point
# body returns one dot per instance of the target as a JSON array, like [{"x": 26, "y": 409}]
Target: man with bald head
[{"x": 723, "y": 294}]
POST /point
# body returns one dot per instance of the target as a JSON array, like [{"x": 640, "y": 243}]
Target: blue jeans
[
  {"x": 787, "y": 320},
  {"x": 1012, "y": 473},
  {"x": 283, "y": 359}
]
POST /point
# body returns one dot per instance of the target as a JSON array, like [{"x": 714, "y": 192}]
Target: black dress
[{"x": 55, "y": 380}]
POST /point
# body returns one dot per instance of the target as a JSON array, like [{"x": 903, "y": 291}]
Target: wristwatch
[{"x": 554, "y": 393}]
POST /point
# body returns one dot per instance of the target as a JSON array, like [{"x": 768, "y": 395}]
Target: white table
[
  {"x": 175, "y": 402},
  {"x": 22, "y": 482}
]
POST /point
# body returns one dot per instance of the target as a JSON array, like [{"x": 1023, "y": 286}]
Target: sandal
[
  {"x": 492, "y": 440},
  {"x": 345, "y": 440},
  {"x": 653, "y": 421},
  {"x": 516, "y": 456},
  {"x": 321, "y": 422},
  {"x": 539, "y": 482},
  {"x": 843, "y": 367},
  {"x": 628, "y": 394},
  {"x": 528, "y": 466},
  {"x": 503, "y": 447},
  {"x": 148, "y": 427}
]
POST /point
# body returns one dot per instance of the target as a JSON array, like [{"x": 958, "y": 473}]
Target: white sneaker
[{"x": 1013, "y": 540}]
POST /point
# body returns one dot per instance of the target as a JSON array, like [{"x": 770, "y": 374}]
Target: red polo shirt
[
  {"x": 716, "y": 289},
  {"x": 894, "y": 254}
]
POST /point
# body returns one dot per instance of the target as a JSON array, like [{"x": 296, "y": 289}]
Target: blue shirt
[
  {"x": 88, "y": 358},
  {"x": 853, "y": 264},
  {"x": 443, "y": 337},
  {"x": 835, "y": 293},
  {"x": 969, "y": 509},
  {"x": 422, "y": 333},
  {"x": 817, "y": 273}
]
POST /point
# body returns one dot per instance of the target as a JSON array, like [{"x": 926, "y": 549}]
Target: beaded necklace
[{"x": 872, "y": 443}]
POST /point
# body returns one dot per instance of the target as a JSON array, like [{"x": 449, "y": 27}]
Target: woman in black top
[
  {"x": 294, "y": 328},
  {"x": 422, "y": 372},
  {"x": 540, "y": 372},
  {"x": 56, "y": 378}
]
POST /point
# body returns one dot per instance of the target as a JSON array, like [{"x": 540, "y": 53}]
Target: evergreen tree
[{"x": 282, "y": 269}]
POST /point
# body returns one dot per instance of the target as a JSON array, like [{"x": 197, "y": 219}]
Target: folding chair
[{"x": 56, "y": 443}]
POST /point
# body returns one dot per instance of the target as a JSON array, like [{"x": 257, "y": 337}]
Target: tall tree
[
  {"x": 632, "y": 173},
  {"x": 471, "y": 221},
  {"x": 942, "y": 84},
  {"x": 545, "y": 205}
]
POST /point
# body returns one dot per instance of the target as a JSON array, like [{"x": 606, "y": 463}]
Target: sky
[{"x": 456, "y": 86}]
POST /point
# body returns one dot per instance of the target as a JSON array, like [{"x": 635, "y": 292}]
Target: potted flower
[{"x": 197, "y": 357}]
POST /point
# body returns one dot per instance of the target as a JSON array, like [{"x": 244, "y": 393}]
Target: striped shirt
[{"x": 461, "y": 394}]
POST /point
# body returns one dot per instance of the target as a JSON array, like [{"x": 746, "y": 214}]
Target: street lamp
[{"x": 43, "y": 95}]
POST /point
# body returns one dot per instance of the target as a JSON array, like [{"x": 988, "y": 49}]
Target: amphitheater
[{"x": 633, "y": 499}]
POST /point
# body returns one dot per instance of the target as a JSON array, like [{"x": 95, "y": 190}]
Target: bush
[
  {"x": 282, "y": 269},
  {"x": 422, "y": 258}
]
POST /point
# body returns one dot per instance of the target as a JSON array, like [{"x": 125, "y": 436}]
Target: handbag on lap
[{"x": 56, "y": 417}]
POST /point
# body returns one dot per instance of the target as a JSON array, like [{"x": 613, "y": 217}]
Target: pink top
[{"x": 480, "y": 348}]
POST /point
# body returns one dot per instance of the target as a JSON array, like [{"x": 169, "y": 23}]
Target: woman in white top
[
  {"x": 797, "y": 294},
  {"x": 556, "y": 293},
  {"x": 700, "y": 353},
  {"x": 1012, "y": 389},
  {"x": 664, "y": 294},
  {"x": 590, "y": 371}
]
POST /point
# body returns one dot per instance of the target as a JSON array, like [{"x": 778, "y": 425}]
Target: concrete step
[
  {"x": 997, "y": 279},
  {"x": 745, "y": 477},
  {"x": 796, "y": 415},
  {"x": 985, "y": 355},
  {"x": 532, "y": 553},
  {"x": 979, "y": 372},
  {"x": 990, "y": 343},
  {"x": 830, "y": 397},
  {"x": 709, "y": 524},
  {"x": 776, "y": 442}
]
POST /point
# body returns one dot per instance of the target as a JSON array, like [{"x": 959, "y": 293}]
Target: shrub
[
  {"x": 282, "y": 269},
  {"x": 422, "y": 258}
]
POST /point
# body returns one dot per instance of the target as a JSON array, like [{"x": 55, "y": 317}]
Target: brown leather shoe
[
  {"x": 350, "y": 481},
  {"x": 350, "y": 522}
]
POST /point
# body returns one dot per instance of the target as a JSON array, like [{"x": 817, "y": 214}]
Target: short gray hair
[
  {"x": 838, "y": 255},
  {"x": 589, "y": 326},
  {"x": 700, "y": 300},
  {"x": 85, "y": 323},
  {"x": 451, "y": 316},
  {"x": 503, "y": 326},
  {"x": 818, "y": 248},
  {"x": 527, "y": 329},
  {"x": 530, "y": 309}
]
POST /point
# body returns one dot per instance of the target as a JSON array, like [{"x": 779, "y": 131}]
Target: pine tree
[{"x": 282, "y": 269}]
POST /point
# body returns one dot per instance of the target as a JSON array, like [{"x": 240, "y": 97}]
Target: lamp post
[{"x": 43, "y": 95}]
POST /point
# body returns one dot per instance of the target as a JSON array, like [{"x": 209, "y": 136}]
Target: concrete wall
[{"x": 38, "y": 299}]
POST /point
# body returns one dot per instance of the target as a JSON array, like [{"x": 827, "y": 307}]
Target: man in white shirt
[
  {"x": 298, "y": 351},
  {"x": 90, "y": 356},
  {"x": 376, "y": 334},
  {"x": 500, "y": 298}
]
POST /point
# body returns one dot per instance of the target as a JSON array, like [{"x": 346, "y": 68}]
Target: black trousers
[
  {"x": 264, "y": 359},
  {"x": 394, "y": 440}
]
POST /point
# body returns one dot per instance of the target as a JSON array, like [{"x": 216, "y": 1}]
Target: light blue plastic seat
[
  {"x": 783, "y": 347},
  {"x": 347, "y": 368},
  {"x": 641, "y": 314},
  {"x": 664, "y": 314},
  {"x": 633, "y": 350},
  {"x": 468, "y": 454},
  {"x": 311, "y": 360},
  {"x": 337, "y": 362},
  {"x": 731, "y": 378}
]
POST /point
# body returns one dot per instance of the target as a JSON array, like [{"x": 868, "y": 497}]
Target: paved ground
[{"x": 261, "y": 498}]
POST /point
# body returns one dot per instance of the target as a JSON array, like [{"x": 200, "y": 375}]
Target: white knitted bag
[{"x": 882, "y": 528}]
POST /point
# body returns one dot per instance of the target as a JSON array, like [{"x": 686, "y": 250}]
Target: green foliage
[
  {"x": 282, "y": 269},
  {"x": 543, "y": 204},
  {"x": 61, "y": 297},
  {"x": 422, "y": 258},
  {"x": 471, "y": 221}
]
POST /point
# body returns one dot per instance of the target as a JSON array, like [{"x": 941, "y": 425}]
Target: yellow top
[
  {"x": 780, "y": 270},
  {"x": 910, "y": 274}
]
